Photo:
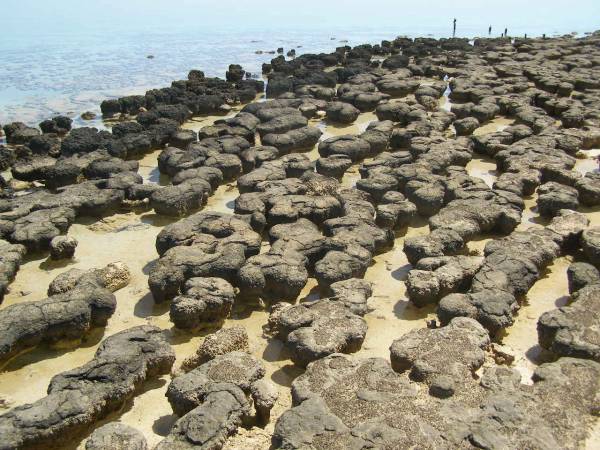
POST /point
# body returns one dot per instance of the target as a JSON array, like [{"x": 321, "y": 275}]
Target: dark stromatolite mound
[
  {"x": 269, "y": 171},
  {"x": 220, "y": 152},
  {"x": 581, "y": 274},
  {"x": 277, "y": 274},
  {"x": 79, "y": 301},
  {"x": 186, "y": 391},
  {"x": 474, "y": 209},
  {"x": 62, "y": 247},
  {"x": 212, "y": 175},
  {"x": 227, "y": 407},
  {"x": 224, "y": 341},
  {"x": 202, "y": 301},
  {"x": 348, "y": 145},
  {"x": 37, "y": 229},
  {"x": 226, "y": 227},
  {"x": 334, "y": 166},
  {"x": 282, "y": 123},
  {"x": 433, "y": 278},
  {"x": 11, "y": 256},
  {"x": 510, "y": 267},
  {"x": 7, "y": 157},
  {"x": 314, "y": 330},
  {"x": 346, "y": 402},
  {"x": 203, "y": 245},
  {"x": 116, "y": 436},
  {"x": 35, "y": 218},
  {"x": 573, "y": 330},
  {"x": 299, "y": 139},
  {"x": 353, "y": 294},
  {"x": 210, "y": 258},
  {"x": 58, "y": 125},
  {"x": 590, "y": 243},
  {"x": 378, "y": 135},
  {"x": 215, "y": 399},
  {"x": 342, "y": 112},
  {"x": 282, "y": 272},
  {"x": 589, "y": 189},
  {"x": 552, "y": 197},
  {"x": 394, "y": 211},
  {"x": 443, "y": 358},
  {"x": 466, "y": 126},
  {"x": 181, "y": 199},
  {"x": 353, "y": 240},
  {"x": 17, "y": 133},
  {"x": 79, "y": 397}
]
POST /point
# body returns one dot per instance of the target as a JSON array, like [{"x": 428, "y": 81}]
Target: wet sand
[{"x": 130, "y": 237}]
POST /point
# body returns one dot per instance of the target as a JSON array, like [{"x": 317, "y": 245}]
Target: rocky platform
[{"x": 331, "y": 218}]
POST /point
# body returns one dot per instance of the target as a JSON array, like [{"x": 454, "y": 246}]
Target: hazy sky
[{"x": 42, "y": 16}]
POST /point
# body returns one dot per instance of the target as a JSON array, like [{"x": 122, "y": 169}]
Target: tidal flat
[{"x": 385, "y": 246}]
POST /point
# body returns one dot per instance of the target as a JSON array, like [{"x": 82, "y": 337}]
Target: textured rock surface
[
  {"x": 11, "y": 256},
  {"x": 443, "y": 358},
  {"x": 77, "y": 303},
  {"x": 79, "y": 397},
  {"x": 574, "y": 330},
  {"x": 116, "y": 436},
  {"x": 202, "y": 301},
  {"x": 510, "y": 267},
  {"x": 345, "y": 402},
  {"x": 223, "y": 341},
  {"x": 215, "y": 399},
  {"x": 314, "y": 330}
]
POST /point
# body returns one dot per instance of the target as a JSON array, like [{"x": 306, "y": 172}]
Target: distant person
[
  {"x": 490, "y": 31},
  {"x": 454, "y": 28},
  {"x": 506, "y": 32}
]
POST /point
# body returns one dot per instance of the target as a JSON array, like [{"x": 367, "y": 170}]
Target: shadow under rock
[
  {"x": 149, "y": 385},
  {"x": 148, "y": 266},
  {"x": 403, "y": 309},
  {"x": 538, "y": 355},
  {"x": 285, "y": 375},
  {"x": 401, "y": 273},
  {"x": 163, "y": 425},
  {"x": 51, "y": 264},
  {"x": 274, "y": 351},
  {"x": 45, "y": 352}
]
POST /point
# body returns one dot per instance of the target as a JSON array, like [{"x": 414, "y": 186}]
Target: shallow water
[{"x": 56, "y": 60}]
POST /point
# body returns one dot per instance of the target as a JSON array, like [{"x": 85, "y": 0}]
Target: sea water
[{"x": 66, "y": 56}]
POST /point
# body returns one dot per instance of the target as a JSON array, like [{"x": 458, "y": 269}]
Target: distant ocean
[{"x": 66, "y": 56}]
